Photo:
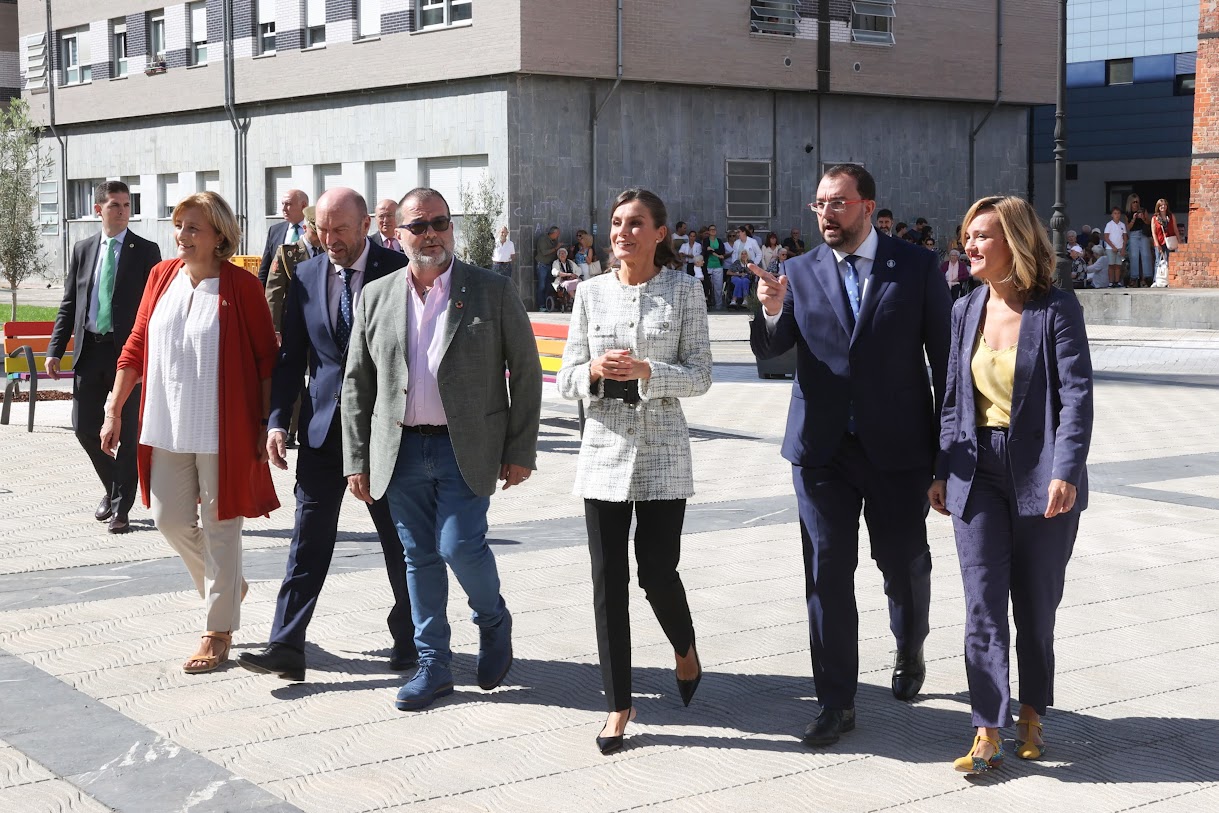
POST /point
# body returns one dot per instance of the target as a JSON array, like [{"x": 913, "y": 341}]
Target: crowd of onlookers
[{"x": 1132, "y": 249}]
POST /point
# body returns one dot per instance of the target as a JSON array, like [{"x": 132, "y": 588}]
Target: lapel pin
[
  {"x": 890, "y": 264},
  {"x": 131, "y": 245},
  {"x": 459, "y": 304},
  {"x": 463, "y": 289}
]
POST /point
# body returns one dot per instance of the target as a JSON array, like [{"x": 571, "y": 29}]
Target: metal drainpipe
[
  {"x": 241, "y": 198},
  {"x": 973, "y": 135},
  {"x": 65, "y": 241},
  {"x": 592, "y": 187}
]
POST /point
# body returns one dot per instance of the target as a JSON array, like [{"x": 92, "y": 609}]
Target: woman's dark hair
[
  {"x": 665, "y": 255},
  {"x": 772, "y": 236}
]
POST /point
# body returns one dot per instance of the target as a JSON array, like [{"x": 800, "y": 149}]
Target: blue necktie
[
  {"x": 852, "y": 283},
  {"x": 342, "y": 329}
]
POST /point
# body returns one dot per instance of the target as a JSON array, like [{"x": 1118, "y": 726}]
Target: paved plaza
[{"x": 96, "y": 714}]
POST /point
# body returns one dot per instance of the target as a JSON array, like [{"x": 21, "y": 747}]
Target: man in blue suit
[
  {"x": 317, "y": 322},
  {"x": 861, "y": 310}
]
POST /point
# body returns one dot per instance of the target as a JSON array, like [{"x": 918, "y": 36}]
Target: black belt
[
  {"x": 99, "y": 337},
  {"x": 426, "y": 429}
]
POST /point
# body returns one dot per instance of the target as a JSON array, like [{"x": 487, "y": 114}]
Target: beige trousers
[{"x": 183, "y": 488}]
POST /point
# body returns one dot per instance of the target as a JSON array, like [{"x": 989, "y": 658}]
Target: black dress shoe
[
  {"x": 908, "y": 674},
  {"x": 290, "y": 441},
  {"x": 118, "y": 524},
  {"x": 104, "y": 510},
  {"x": 276, "y": 659},
  {"x": 402, "y": 659},
  {"x": 829, "y": 726}
]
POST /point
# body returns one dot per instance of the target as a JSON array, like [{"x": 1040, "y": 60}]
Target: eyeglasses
[
  {"x": 437, "y": 224},
  {"x": 835, "y": 206}
]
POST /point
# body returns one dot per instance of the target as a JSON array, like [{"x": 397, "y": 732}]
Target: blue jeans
[
  {"x": 544, "y": 289},
  {"x": 441, "y": 521},
  {"x": 1141, "y": 264}
]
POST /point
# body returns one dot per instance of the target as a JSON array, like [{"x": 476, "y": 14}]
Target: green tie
[{"x": 105, "y": 289}]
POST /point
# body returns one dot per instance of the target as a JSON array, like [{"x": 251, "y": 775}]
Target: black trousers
[
  {"x": 320, "y": 489},
  {"x": 93, "y": 379},
  {"x": 894, "y": 505},
  {"x": 657, "y": 551}
]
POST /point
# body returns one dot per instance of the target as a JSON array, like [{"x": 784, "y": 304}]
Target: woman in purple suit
[{"x": 1014, "y": 436}]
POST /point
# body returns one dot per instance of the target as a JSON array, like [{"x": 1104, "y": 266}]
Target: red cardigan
[{"x": 247, "y": 350}]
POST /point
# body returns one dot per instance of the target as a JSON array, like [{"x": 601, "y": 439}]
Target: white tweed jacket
[{"x": 639, "y": 452}]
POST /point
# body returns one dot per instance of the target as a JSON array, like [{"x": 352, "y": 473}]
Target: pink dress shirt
[{"x": 425, "y": 323}]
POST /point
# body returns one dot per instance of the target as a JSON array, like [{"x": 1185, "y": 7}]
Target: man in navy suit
[
  {"x": 100, "y": 298},
  {"x": 861, "y": 310},
  {"x": 287, "y": 232},
  {"x": 317, "y": 321}
]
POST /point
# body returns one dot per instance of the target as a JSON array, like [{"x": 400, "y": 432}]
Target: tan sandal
[{"x": 209, "y": 663}]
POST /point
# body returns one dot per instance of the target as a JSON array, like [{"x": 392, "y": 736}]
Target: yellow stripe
[
  {"x": 551, "y": 347},
  {"x": 550, "y": 364}
]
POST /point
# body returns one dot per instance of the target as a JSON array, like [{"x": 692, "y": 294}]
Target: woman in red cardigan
[{"x": 203, "y": 346}]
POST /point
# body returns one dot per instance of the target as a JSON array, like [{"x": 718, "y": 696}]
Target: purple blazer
[{"x": 1051, "y": 426}]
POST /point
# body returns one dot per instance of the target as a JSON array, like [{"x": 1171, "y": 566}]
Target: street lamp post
[{"x": 1058, "y": 221}]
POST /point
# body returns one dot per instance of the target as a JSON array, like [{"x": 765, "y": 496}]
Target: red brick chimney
[{"x": 1196, "y": 265}]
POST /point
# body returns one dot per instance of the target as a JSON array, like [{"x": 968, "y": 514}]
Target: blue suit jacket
[
  {"x": 878, "y": 367},
  {"x": 1051, "y": 425},
  {"x": 308, "y": 343}
]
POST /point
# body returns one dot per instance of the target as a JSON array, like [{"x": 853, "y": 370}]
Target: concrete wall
[
  {"x": 674, "y": 140},
  {"x": 1179, "y": 309}
]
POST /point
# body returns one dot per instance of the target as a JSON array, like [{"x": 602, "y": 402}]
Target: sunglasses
[{"x": 437, "y": 224}]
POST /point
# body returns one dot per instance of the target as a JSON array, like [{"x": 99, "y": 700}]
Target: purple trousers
[{"x": 1002, "y": 553}]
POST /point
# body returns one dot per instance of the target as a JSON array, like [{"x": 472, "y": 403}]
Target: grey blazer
[
  {"x": 491, "y": 420},
  {"x": 1051, "y": 427},
  {"x": 639, "y": 452}
]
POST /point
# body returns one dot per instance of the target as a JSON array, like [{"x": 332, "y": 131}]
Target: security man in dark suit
[
  {"x": 292, "y": 229},
  {"x": 101, "y": 296},
  {"x": 316, "y": 326},
  {"x": 862, "y": 309}
]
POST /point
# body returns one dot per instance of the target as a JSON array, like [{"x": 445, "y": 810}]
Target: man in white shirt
[{"x": 1115, "y": 246}]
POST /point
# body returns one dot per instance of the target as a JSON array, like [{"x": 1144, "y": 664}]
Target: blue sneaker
[
  {"x": 432, "y": 681},
  {"x": 495, "y": 653}
]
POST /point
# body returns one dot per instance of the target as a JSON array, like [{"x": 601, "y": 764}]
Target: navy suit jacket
[
  {"x": 1051, "y": 425},
  {"x": 275, "y": 238},
  {"x": 309, "y": 344},
  {"x": 878, "y": 368}
]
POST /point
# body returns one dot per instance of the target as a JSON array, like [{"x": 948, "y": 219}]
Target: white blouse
[{"x": 182, "y": 386}]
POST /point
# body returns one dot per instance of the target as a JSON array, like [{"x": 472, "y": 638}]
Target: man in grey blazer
[{"x": 430, "y": 423}]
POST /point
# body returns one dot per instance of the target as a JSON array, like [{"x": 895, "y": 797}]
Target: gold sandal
[
  {"x": 972, "y": 765},
  {"x": 209, "y": 663},
  {"x": 1028, "y": 749}
]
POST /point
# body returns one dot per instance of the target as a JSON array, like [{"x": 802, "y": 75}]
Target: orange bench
[
  {"x": 551, "y": 341},
  {"x": 25, "y": 350}
]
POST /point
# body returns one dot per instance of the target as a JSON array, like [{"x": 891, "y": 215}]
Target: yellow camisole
[{"x": 994, "y": 373}]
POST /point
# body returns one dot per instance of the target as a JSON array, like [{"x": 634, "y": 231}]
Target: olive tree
[
  {"x": 23, "y": 163},
  {"x": 482, "y": 205}
]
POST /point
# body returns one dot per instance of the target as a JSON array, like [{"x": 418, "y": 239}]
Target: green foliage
[
  {"x": 482, "y": 206},
  {"x": 23, "y": 163}
]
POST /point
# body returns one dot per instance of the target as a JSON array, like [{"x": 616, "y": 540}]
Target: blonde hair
[
  {"x": 1032, "y": 255},
  {"x": 1167, "y": 208},
  {"x": 220, "y": 215},
  {"x": 1130, "y": 198}
]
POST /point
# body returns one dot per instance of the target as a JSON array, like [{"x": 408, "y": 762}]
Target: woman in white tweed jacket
[{"x": 638, "y": 342}]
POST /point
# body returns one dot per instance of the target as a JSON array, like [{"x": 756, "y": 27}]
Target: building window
[
  {"x": 872, "y": 22},
  {"x": 326, "y": 177},
  {"x": 35, "y": 66},
  {"x": 133, "y": 186},
  {"x": 74, "y": 56},
  {"x": 774, "y": 17},
  {"x": 196, "y": 33},
  {"x": 368, "y": 13},
  {"x": 315, "y": 23},
  {"x": 168, "y": 193},
  {"x": 80, "y": 197},
  {"x": 156, "y": 36},
  {"x": 208, "y": 181},
  {"x": 48, "y": 207},
  {"x": 748, "y": 191},
  {"x": 451, "y": 174},
  {"x": 439, "y": 13},
  {"x": 1119, "y": 72},
  {"x": 381, "y": 181},
  {"x": 265, "y": 35},
  {"x": 118, "y": 47},
  {"x": 1184, "y": 85},
  {"x": 279, "y": 181}
]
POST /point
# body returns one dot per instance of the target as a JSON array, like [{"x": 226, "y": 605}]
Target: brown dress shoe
[
  {"x": 119, "y": 524},
  {"x": 104, "y": 510}
]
